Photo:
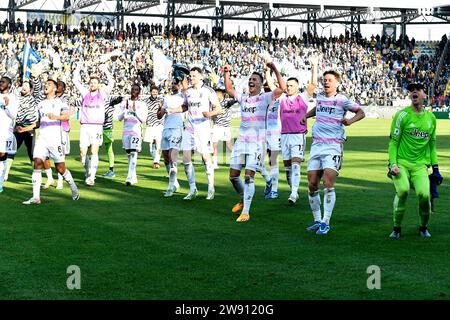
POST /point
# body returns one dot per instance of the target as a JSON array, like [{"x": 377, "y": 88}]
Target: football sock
[
  {"x": 85, "y": 163},
  {"x": 49, "y": 174},
  {"x": 173, "y": 174},
  {"x": 264, "y": 174},
  {"x": 190, "y": 174},
  {"x": 314, "y": 203},
  {"x": 67, "y": 176},
  {"x": 238, "y": 185},
  {"x": 249, "y": 191},
  {"x": 36, "y": 180},
  {"x": 94, "y": 166},
  {"x": 9, "y": 163},
  {"x": 110, "y": 149},
  {"x": 209, "y": 174},
  {"x": 288, "y": 175},
  {"x": 274, "y": 173},
  {"x": 295, "y": 179},
  {"x": 399, "y": 209},
  {"x": 2, "y": 172},
  {"x": 329, "y": 199}
]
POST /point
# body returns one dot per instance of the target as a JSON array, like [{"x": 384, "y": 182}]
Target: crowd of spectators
[{"x": 375, "y": 71}]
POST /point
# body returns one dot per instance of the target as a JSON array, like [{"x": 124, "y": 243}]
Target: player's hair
[
  {"x": 63, "y": 83},
  {"x": 29, "y": 83},
  {"x": 7, "y": 79},
  {"x": 136, "y": 85},
  {"x": 199, "y": 70},
  {"x": 54, "y": 82},
  {"x": 94, "y": 76},
  {"x": 336, "y": 74},
  {"x": 153, "y": 87},
  {"x": 293, "y": 79},
  {"x": 259, "y": 75}
]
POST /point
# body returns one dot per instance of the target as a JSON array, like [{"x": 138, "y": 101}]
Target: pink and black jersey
[
  {"x": 199, "y": 101},
  {"x": 132, "y": 120},
  {"x": 330, "y": 111},
  {"x": 253, "y": 116}
]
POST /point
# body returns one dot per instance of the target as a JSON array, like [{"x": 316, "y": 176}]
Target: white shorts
[
  {"x": 91, "y": 134},
  {"x": 247, "y": 155},
  {"x": 274, "y": 142},
  {"x": 132, "y": 142},
  {"x": 171, "y": 139},
  {"x": 47, "y": 147},
  {"x": 65, "y": 142},
  {"x": 325, "y": 156},
  {"x": 153, "y": 133},
  {"x": 8, "y": 144},
  {"x": 199, "y": 141},
  {"x": 293, "y": 146},
  {"x": 221, "y": 134}
]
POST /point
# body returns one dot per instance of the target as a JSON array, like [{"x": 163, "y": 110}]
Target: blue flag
[{"x": 29, "y": 58}]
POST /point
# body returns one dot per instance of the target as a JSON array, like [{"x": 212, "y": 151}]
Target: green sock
[
  {"x": 399, "y": 210},
  {"x": 109, "y": 148},
  {"x": 424, "y": 211}
]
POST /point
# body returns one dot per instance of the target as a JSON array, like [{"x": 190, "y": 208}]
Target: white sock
[
  {"x": 94, "y": 166},
  {"x": 264, "y": 174},
  {"x": 36, "y": 180},
  {"x": 314, "y": 203},
  {"x": 209, "y": 174},
  {"x": 173, "y": 175},
  {"x": 8, "y": 164},
  {"x": 295, "y": 177},
  {"x": 238, "y": 185},
  {"x": 49, "y": 174},
  {"x": 2, "y": 172},
  {"x": 85, "y": 163},
  {"x": 190, "y": 174},
  {"x": 329, "y": 199},
  {"x": 214, "y": 160},
  {"x": 132, "y": 163},
  {"x": 274, "y": 173},
  {"x": 288, "y": 175},
  {"x": 60, "y": 179},
  {"x": 249, "y": 191},
  {"x": 67, "y": 176},
  {"x": 157, "y": 156}
]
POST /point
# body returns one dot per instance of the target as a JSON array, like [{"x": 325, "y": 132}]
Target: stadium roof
[{"x": 326, "y": 11}]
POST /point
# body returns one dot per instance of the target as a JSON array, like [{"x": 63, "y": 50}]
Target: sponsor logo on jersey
[
  {"x": 326, "y": 109},
  {"x": 420, "y": 134}
]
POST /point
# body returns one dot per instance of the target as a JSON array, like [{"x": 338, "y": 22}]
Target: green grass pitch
[{"x": 131, "y": 243}]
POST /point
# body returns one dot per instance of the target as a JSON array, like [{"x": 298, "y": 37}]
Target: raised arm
[
  {"x": 281, "y": 82},
  {"x": 269, "y": 78},
  {"x": 228, "y": 85},
  {"x": 314, "y": 61},
  {"x": 110, "y": 86},
  {"x": 77, "y": 82}
]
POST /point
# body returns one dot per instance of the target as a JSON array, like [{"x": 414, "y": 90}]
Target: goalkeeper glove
[{"x": 436, "y": 175}]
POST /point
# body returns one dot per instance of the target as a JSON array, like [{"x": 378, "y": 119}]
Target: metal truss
[
  {"x": 81, "y": 4},
  {"x": 22, "y": 3},
  {"x": 140, "y": 5},
  {"x": 192, "y": 8},
  {"x": 256, "y": 11}
]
